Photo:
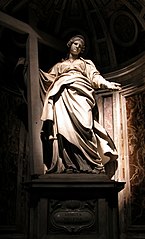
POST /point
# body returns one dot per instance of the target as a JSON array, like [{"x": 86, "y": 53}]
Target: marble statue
[{"x": 73, "y": 140}]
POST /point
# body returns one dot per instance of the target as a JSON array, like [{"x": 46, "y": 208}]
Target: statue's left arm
[{"x": 97, "y": 80}]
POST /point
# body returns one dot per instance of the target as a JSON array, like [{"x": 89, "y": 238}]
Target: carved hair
[{"x": 75, "y": 38}]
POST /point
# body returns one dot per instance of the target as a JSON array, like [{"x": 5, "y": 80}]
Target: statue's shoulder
[{"x": 87, "y": 61}]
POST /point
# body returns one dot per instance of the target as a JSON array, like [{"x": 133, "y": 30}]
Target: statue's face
[{"x": 76, "y": 47}]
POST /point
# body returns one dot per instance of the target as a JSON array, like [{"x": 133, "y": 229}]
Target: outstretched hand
[{"x": 114, "y": 86}]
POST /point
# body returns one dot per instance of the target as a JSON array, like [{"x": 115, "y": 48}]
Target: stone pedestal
[{"x": 83, "y": 206}]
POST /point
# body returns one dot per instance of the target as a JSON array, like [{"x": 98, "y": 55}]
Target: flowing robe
[{"x": 72, "y": 137}]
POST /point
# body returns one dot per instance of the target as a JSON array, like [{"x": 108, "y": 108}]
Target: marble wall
[
  {"x": 136, "y": 146},
  {"x": 14, "y": 165}
]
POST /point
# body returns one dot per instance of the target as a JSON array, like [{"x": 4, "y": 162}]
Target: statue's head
[{"x": 75, "y": 38}]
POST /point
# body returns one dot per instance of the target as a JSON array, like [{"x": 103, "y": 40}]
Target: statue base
[{"x": 83, "y": 206}]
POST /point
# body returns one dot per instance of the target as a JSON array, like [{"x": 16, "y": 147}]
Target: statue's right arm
[{"x": 45, "y": 80}]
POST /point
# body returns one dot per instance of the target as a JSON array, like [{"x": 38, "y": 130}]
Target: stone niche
[{"x": 74, "y": 206}]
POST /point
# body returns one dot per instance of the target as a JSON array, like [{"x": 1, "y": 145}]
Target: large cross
[{"x": 34, "y": 103}]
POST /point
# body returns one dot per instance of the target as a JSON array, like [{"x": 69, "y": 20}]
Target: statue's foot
[{"x": 99, "y": 171}]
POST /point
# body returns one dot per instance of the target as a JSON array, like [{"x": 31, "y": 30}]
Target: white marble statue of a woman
[{"x": 73, "y": 140}]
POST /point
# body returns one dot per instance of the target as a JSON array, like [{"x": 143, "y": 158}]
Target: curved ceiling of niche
[{"x": 114, "y": 29}]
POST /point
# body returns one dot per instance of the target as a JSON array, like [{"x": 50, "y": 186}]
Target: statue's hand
[
  {"x": 21, "y": 61},
  {"x": 114, "y": 86}
]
